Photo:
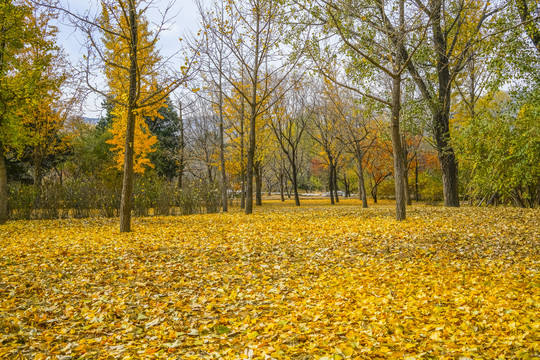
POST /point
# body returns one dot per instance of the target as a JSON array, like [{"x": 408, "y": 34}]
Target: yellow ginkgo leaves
[{"x": 315, "y": 282}]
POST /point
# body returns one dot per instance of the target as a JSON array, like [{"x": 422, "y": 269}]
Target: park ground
[{"x": 315, "y": 282}]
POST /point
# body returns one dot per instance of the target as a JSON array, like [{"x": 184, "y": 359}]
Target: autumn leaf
[{"x": 325, "y": 282}]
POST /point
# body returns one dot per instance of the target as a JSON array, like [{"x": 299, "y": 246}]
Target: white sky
[{"x": 185, "y": 17}]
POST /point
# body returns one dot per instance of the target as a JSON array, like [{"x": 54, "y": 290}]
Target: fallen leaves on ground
[{"x": 315, "y": 282}]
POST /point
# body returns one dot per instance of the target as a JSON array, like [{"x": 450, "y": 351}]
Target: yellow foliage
[
  {"x": 317, "y": 282},
  {"x": 143, "y": 145},
  {"x": 116, "y": 71}
]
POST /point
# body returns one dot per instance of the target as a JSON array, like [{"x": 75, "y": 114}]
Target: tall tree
[
  {"x": 454, "y": 29},
  {"x": 16, "y": 33},
  {"x": 139, "y": 80},
  {"x": 370, "y": 35}
]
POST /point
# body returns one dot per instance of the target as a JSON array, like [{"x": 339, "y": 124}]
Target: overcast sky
[{"x": 184, "y": 13}]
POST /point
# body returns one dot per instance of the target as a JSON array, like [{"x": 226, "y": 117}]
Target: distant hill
[{"x": 90, "y": 120}]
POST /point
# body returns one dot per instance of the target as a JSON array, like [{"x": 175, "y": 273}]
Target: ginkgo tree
[{"x": 122, "y": 45}]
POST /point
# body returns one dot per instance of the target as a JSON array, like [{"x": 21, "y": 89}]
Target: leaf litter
[{"x": 315, "y": 282}]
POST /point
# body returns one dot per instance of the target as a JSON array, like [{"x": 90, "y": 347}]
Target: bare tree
[
  {"x": 289, "y": 118},
  {"x": 251, "y": 32}
]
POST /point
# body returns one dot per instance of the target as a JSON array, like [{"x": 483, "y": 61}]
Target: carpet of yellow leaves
[{"x": 315, "y": 282}]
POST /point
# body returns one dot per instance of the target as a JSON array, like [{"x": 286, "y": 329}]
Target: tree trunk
[
  {"x": 3, "y": 187},
  {"x": 441, "y": 116},
  {"x": 281, "y": 190},
  {"x": 529, "y": 25},
  {"x": 416, "y": 180},
  {"x": 258, "y": 183},
  {"x": 334, "y": 172},
  {"x": 406, "y": 187},
  {"x": 295, "y": 184},
  {"x": 449, "y": 168},
  {"x": 374, "y": 193},
  {"x": 406, "y": 170},
  {"x": 250, "y": 160},
  {"x": 38, "y": 174},
  {"x": 361, "y": 182},
  {"x": 182, "y": 144},
  {"x": 331, "y": 182},
  {"x": 224, "y": 199},
  {"x": 242, "y": 167},
  {"x": 396, "y": 133},
  {"x": 127, "y": 182}
]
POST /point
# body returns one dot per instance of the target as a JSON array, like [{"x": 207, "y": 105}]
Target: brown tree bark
[
  {"x": 242, "y": 167},
  {"x": 335, "y": 181},
  {"x": 441, "y": 115},
  {"x": 181, "y": 161},
  {"x": 530, "y": 26},
  {"x": 331, "y": 181},
  {"x": 38, "y": 173},
  {"x": 250, "y": 159},
  {"x": 258, "y": 182},
  {"x": 224, "y": 203},
  {"x": 395, "y": 130},
  {"x": 127, "y": 182},
  {"x": 295, "y": 184},
  {"x": 3, "y": 187},
  {"x": 361, "y": 182}
]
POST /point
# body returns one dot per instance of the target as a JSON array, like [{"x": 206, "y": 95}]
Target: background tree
[
  {"x": 288, "y": 120},
  {"x": 166, "y": 127},
  {"x": 251, "y": 32}
]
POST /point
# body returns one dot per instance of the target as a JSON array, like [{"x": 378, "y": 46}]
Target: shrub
[
  {"x": 80, "y": 197},
  {"x": 430, "y": 187},
  {"x": 22, "y": 199}
]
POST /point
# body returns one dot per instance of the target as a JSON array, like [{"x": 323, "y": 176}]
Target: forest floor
[{"x": 315, "y": 282}]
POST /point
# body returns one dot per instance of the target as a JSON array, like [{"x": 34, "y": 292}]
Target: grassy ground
[{"x": 319, "y": 281}]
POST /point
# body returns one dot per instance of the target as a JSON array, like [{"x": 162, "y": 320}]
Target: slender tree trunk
[
  {"x": 406, "y": 170},
  {"x": 258, "y": 183},
  {"x": 334, "y": 172},
  {"x": 331, "y": 181},
  {"x": 374, "y": 193},
  {"x": 38, "y": 160},
  {"x": 416, "y": 180},
  {"x": 253, "y": 117},
  {"x": 127, "y": 182},
  {"x": 346, "y": 184},
  {"x": 281, "y": 191},
  {"x": 3, "y": 187},
  {"x": 250, "y": 161},
  {"x": 295, "y": 184},
  {"x": 361, "y": 182},
  {"x": 181, "y": 161},
  {"x": 224, "y": 199},
  {"x": 242, "y": 166}
]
